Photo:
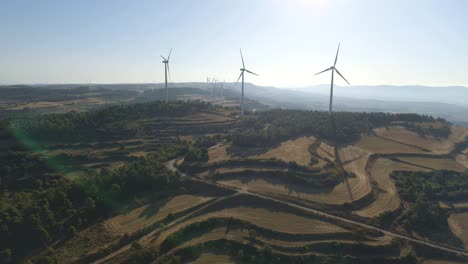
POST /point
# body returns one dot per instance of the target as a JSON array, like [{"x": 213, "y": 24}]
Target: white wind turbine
[
  {"x": 243, "y": 70},
  {"x": 333, "y": 69},
  {"x": 166, "y": 71}
]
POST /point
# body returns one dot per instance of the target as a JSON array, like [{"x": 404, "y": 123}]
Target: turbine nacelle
[{"x": 333, "y": 69}]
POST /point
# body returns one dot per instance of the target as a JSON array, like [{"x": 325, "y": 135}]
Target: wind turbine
[
  {"x": 333, "y": 69},
  {"x": 243, "y": 70},
  {"x": 166, "y": 71}
]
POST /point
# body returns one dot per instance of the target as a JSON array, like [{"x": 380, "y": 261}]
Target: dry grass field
[
  {"x": 377, "y": 144},
  {"x": 438, "y": 146},
  {"x": 78, "y": 103},
  {"x": 435, "y": 163},
  {"x": 218, "y": 154},
  {"x": 325, "y": 151},
  {"x": 149, "y": 214},
  {"x": 279, "y": 221},
  {"x": 355, "y": 160},
  {"x": 292, "y": 150},
  {"x": 387, "y": 197},
  {"x": 463, "y": 160},
  {"x": 458, "y": 223},
  {"x": 342, "y": 193},
  {"x": 200, "y": 119},
  {"x": 288, "y": 247}
]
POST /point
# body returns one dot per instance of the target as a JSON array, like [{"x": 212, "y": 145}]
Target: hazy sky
[{"x": 285, "y": 41}]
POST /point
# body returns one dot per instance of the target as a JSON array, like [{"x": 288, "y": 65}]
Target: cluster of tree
[
  {"x": 460, "y": 146},
  {"x": 270, "y": 127},
  {"x": 424, "y": 216},
  {"x": 196, "y": 154},
  {"x": 424, "y": 190},
  {"x": 102, "y": 123},
  {"x": 135, "y": 179},
  {"x": 442, "y": 131},
  {"x": 73, "y": 93},
  {"x": 207, "y": 141},
  {"x": 38, "y": 207},
  {"x": 437, "y": 185},
  {"x": 21, "y": 171}
]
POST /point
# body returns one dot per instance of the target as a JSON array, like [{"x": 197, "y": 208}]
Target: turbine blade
[
  {"x": 239, "y": 77},
  {"x": 341, "y": 76},
  {"x": 323, "y": 71},
  {"x": 169, "y": 57},
  {"x": 242, "y": 57},
  {"x": 251, "y": 72},
  {"x": 163, "y": 57},
  {"x": 338, "y": 50}
]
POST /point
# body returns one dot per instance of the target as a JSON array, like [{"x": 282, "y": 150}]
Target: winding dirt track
[{"x": 170, "y": 166}]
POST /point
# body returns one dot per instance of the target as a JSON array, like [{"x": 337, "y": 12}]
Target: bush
[{"x": 196, "y": 154}]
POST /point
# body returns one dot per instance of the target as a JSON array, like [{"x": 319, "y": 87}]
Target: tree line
[
  {"x": 97, "y": 124},
  {"x": 270, "y": 127}
]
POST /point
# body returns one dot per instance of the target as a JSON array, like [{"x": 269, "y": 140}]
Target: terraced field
[
  {"x": 326, "y": 151},
  {"x": 337, "y": 196},
  {"x": 292, "y": 150},
  {"x": 279, "y": 221},
  {"x": 149, "y": 214},
  {"x": 458, "y": 223},
  {"x": 387, "y": 197},
  {"x": 376, "y": 144},
  {"x": 218, "y": 154},
  {"x": 429, "y": 143},
  {"x": 434, "y": 163},
  {"x": 355, "y": 160},
  {"x": 463, "y": 160}
]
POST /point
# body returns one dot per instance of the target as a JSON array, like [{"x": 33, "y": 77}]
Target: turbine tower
[
  {"x": 243, "y": 70},
  {"x": 333, "y": 69},
  {"x": 166, "y": 72}
]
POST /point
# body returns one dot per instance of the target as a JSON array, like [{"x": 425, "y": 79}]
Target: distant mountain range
[
  {"x": 450, "y": 103},
  {"x": 412, "y": 93}
]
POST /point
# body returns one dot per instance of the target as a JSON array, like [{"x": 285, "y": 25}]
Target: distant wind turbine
[
  {"x": 166, "y": 71},
  {"x": 333, "y": 69},
  {"x": 243, "y": 70}
]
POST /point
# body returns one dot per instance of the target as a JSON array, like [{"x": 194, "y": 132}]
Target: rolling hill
[{"x": 193, "y": 182}]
